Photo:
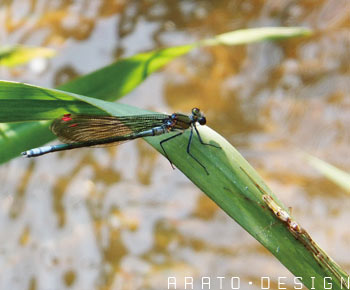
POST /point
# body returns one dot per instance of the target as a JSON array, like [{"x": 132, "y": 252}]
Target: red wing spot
[
  {"x": 73, "y": 125},
  {"x": 66, "y": 117}
]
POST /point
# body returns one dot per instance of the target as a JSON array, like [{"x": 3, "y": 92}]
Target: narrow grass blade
[
  {"x": 333, "y": 173},
  {"x": 19, "y": 54},
  {"x": 245, "y": 36}
]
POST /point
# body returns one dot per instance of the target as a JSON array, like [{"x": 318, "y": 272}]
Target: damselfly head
[{"x": 198, "y": 116}]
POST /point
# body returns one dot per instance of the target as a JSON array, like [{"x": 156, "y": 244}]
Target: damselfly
[{"x": 78, "y": 131}]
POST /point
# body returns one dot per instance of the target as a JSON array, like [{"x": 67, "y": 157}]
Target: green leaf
[
  {"x": 238, "y": 189},
  {"x": 16, "y": 55},
  {"x": 22, "y": 102},
  {"x": 333, "y": 173},
  {"x": 116, "y": 80},
  {"x": 12, "y": 137}
]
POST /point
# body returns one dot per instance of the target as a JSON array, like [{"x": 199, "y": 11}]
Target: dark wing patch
[{"x": 82, "y": 128}]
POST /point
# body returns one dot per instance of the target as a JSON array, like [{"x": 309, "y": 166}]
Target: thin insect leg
[
  {"x": 165, "y": 140},
  {"x": 200, "y": 138},
  {"x": 188, "y": 151}
]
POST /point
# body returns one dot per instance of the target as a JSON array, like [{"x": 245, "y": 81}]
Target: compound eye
[
  {"x": 195, "y": 111},
  {"x": 202, "y": 121}
]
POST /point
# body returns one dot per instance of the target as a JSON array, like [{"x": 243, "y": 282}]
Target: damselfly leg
[
  {"x": 200, "y": 139},
  {"x": 188, "y": 146},
  {"x": 188, "y": 150},
  {"x": 166, "y": 140}
]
